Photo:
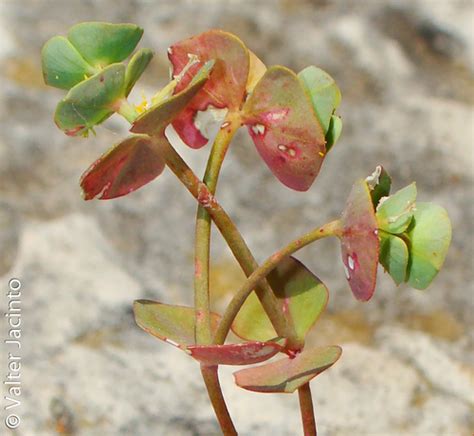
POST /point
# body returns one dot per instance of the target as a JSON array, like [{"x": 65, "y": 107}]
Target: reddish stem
[
  {"x": 307, "y": 411},
  {"x": 211, "y": 379}
]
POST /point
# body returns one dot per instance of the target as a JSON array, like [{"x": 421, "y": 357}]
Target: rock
[
  {"x": 405, "y": 70},
  {"x": 10, "y": 226},
  {"x": 442, "y": 372},
  {"x": 70, "y": 284}
]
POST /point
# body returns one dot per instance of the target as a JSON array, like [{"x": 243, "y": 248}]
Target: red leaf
[
  {"x": 226, "y": 85},
  {"x": 124, "y": 168},
  {"x": 234, "y": 354},
  {"x": 285, "y": 129},
  {"x": 360, "y": 242}
]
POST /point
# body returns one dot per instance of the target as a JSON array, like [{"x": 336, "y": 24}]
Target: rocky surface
[{"x": 406, "y": 72}]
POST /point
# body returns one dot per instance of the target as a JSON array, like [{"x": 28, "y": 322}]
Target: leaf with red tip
[
  {"x": 285, "y": 129},
  {"x": 173, "y": 324},
  {"x": 123, "y": 169},
  {"x": 287, "y": 375},
  {"x": 360, "y": 243},
  {"x": 302, "y": 297},
  {"x": 155, "y": 120},
  {"x": 226, "y": 86},
  {"x": 234, "y": 354}
]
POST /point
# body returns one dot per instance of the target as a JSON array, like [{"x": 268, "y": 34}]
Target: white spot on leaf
[{"x": 258, "y": 129}]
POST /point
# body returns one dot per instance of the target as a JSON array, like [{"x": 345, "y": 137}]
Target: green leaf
[
  {"x": 395, "y": 213},
  {"x": 430, "y": 236},
  {"x": 63, "y": 66},
  {"x": 172, "y": 324},
  {"x": 301, "y": 295},
  {"x": 394, "y": 256},
  {"x": 334, "y": 131},
  {"x": 90, "y": 102},
  {"x": 102, "y": 44},
  {"x": 157, "y": 117},
  {"x": 359, "y": 242},
  {"x": 379, "y": 183},
  {"x": 287, "y": 375},
  {"x": 325, "y": 94},
  {"x": 136, "y": 67}
]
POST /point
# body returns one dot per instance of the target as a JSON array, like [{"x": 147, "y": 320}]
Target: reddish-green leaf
[
  {"x": 227, "y": 83},
  {"x": 285, "y": 129},
  {"x": 360, "y": 243},
  {"x": 234, "y": 354},
  {"x": 155, "y": 120},
  {"x": 173, "y": 324},
  {"x": 123, "y": 169},
  {"x": 287, "y": 375},
  {"x": 302, "y": 298}
]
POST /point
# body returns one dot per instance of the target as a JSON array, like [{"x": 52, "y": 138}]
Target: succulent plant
[{"x": 292, "y": 121}]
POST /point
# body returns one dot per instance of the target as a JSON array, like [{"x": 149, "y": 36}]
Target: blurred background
[{"x": 405, "y": 69}]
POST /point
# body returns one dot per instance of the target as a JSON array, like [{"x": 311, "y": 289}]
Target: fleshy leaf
[
  {"x": 285, "y": 129},
  {"x": 359, "y": 242},
  {"x": 430, "y": 236},
  {"x": 325, "y": 94},
  {"x": 256, "y": 71},
  {"x": 155, "y": 120},
  {"x": 102, "y": 44},
  {"x": 90, "y": 102},
  {"x": 63, "y": 66},
  {"x": 123, "y": 169},
  {"x": 334, "y": 132},
  {"x": 234, "y": 354},
  {"x": 394, "y": 256},
  {"x": 173, "y": 324},
  {"x": 395, "y": 213},
  {"x": 226, "y": 86},
  {"x": 379, "y": 183},
  {"x": 136, "y": 67},
  {"x": 302, "y": 296},
  {"x": 287, "y": 375}
]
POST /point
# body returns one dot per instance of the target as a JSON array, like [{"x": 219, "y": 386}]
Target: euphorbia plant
[{"x": 292, "y": 122}]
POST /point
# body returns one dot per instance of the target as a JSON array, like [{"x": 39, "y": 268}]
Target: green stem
[
  {"x": 332, "y": 228},
  {"x": 307, "y": 411},
  {"x": 203, "y": 232},
  {"x": 232, "y": 236},
  {"x": 127, "y": 110},
  {"x": 209, "y": 374}
]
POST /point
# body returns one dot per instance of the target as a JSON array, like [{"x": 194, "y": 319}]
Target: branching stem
[{"x": 332, "y": 228}]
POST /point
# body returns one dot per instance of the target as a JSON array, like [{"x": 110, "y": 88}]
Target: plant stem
[
  {"x": 230, "y": 233},
  {"x": 203, "y": 334},
  {"x": 332, "y": 228},
  {"x": 127, "y": 110},
  {"x": 209, "y": 374},
  {"x": 307, "y": 411}
]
